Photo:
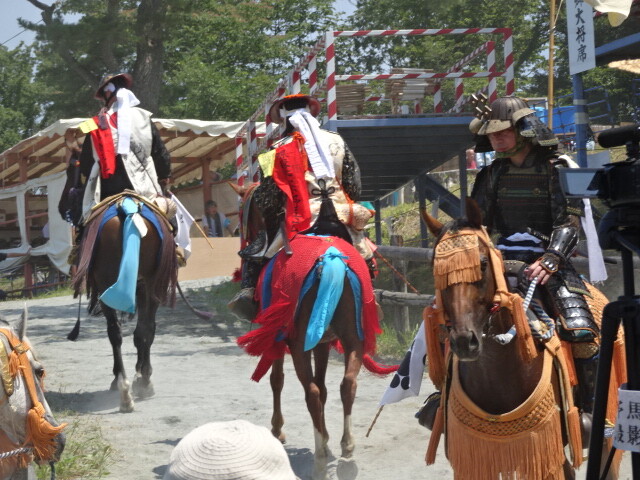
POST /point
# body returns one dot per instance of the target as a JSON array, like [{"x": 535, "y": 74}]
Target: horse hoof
[
  {"x": 347, "y": 449},
  {"x": 143, "y": 388},
  {"x": 114, "y": 385},
  {"x": 126, "y": 401},
  {"x": 319, "y": 471},
  {"x": 280, "y": 436}
]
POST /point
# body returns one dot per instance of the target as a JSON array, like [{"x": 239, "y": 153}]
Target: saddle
[{"x": 163, "y": 207}]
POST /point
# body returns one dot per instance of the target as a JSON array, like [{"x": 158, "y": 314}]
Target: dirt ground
[{"x": 200, "y": 375}]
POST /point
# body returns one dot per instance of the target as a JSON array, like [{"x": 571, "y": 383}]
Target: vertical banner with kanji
[{"x": 582, "y": 55}]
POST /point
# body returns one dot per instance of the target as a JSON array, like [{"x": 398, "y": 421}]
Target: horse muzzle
[{"x": 466, "y": 345}]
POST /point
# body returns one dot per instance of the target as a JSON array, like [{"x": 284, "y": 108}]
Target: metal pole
[
  {"x": 552, "y": 31},
  {"x": 581, "y": 119}
]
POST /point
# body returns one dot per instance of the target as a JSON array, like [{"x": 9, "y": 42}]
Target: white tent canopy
[{"x": 194, "y": 145}]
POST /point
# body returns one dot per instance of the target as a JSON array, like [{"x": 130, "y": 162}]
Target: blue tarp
[{"x": 563, "y": 118}]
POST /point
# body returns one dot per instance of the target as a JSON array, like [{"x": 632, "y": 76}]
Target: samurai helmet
[{"x": 507, "y": 112}]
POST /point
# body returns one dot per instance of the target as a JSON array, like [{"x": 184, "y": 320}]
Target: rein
[
  {"x": 39, "y": 432},
  {"x": 502, "y": 297}
]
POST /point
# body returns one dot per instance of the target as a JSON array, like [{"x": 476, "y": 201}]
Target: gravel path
[{"x": 200, "y": 375}]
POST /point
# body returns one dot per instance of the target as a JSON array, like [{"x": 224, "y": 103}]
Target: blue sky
[
  {"x": 11, "y": 33},
  {"x": 11, "y": 10}
]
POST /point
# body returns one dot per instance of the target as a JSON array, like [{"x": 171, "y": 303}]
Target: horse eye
[
  {"x": 38, "y": 369},
  {"x": 483, "y": 264}
]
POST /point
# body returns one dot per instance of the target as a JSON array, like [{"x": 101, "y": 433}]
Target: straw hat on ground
[{"x": 235, "y": 450}]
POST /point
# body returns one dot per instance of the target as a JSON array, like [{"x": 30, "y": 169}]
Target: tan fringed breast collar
[{"x": 40, "y": 432}]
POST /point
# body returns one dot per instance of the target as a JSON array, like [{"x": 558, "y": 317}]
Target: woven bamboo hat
[
  {"x": 235, "y": 450},
  {"x": 310, "y": 102},
  {"x": 123, "y": 79}
]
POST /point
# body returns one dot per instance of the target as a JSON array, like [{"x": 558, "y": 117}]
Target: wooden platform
[{"x": 207, "y": 262}]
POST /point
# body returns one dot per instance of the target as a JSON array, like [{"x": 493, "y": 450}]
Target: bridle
[
  {"x": 40, "y": 433},
  {"x": 502, "y": 297}
]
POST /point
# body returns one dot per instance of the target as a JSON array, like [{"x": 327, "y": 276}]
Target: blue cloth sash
[
  {"x": 331, "y": 270},
  {"x": 122, "y": 294}
]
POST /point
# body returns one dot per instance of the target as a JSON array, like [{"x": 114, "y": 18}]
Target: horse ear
[
  {"x": 432, "y": 223},
  {"x": 474, "y": 214},
  {"x": 238, "y": 189},
  {"x": 21, "y": 326}
]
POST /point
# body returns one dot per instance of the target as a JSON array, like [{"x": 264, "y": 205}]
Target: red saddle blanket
[{"x": 287, "y": 274}]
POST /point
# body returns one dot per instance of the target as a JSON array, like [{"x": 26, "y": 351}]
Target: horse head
[
  {"x": 26, "y": 420},
  {"x": 464, "y": 278}
]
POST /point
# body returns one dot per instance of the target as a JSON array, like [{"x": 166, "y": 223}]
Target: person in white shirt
[{"x": 214, "y": 222}]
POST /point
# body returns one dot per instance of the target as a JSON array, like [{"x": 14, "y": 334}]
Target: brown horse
[
  {"x": 506, "y": 409},
  {"x": 293, "y": 283},
  {"x": 98, "y": 269}
]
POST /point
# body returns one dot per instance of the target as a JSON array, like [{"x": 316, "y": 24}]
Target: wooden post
[
  {"x": 552, "y": 31},
  {"x": 28, "y": 267},
  {"x": 401, "y": 313},
  {"x": 462, "y": 169},
  {"x": 206, "y": 181},
  {"x": 422, "y": 203}
]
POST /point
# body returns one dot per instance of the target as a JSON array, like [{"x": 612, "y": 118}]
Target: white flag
[
  {"x": 184, "y": 221},
  {"x": 617, "y": 10},
  {"x": 407, "y": 380}
]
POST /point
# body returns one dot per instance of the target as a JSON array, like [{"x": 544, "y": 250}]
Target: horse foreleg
[
  {"x": 143, "y": 337},
  {"x": 353, "y": 362},
  {"x": 277, "y": 383},
  {"x": 119, "y": 382}
]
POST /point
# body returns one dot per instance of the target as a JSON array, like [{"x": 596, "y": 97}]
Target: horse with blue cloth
[
  {"x": 128, "y": 263},
  {"x": 315, "y": 294}
]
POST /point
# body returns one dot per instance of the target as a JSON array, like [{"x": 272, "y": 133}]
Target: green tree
[
  {"x": 20, "y": 97},
  {"x": 207, "y": 59}
]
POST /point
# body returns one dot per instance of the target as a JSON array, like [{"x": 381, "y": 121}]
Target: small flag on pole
[
  {"x": 184, "y": 221},
  {"x": 407, "y": 380}
]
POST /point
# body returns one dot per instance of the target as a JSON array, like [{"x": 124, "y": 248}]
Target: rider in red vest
[
  {"x": 122, "y": 149},
  {"x": 307, "y": 161}
]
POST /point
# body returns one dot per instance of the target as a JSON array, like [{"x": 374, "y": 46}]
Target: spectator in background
[
  {"x": 471, "y": 159},
  {"x": 215, "y": 223}
]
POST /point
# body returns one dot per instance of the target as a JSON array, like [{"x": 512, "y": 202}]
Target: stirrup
[
  {"x": 427, "y": 413},
  {"x": 257, "y": 248},
  {"x": 243, "y": 305}
]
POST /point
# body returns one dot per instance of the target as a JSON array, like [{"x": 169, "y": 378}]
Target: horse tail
[
  {"x": 377, "y": 369},
  {"x": 330, "y": 287},
  {"x": 164, "y": 288}
]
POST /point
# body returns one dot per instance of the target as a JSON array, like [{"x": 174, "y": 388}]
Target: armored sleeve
[
  {"x": 160, "y": 154},
  {"x": 351, "y": 175}
]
